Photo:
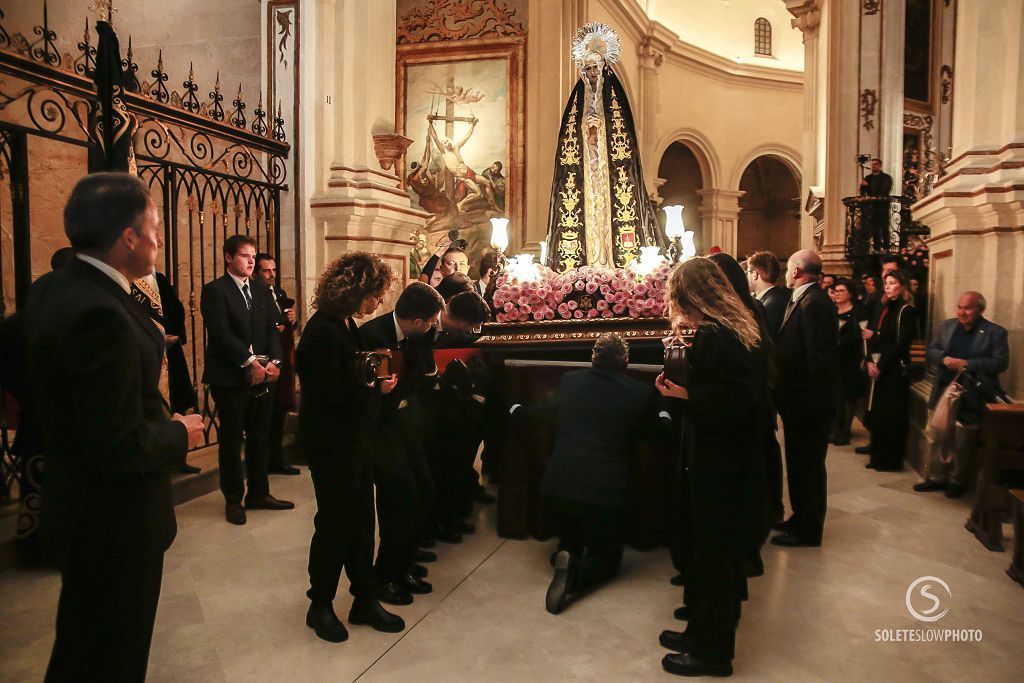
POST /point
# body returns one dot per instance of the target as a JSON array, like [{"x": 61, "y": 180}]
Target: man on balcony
[{"x": 875, "y": 213}]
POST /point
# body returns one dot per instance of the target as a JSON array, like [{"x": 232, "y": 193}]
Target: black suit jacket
[
  {"x": 336, "y": 412},
  {"x": 418, "y": 367},
  {"x": 94, "y": 360},
  {"x": 231, "y": 328},
  {"x": 775, "y": 308},
  {"x": 598, "y": 417},
  {"x": 807, "y": 357}
]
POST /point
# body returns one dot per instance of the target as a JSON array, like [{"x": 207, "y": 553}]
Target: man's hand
[
  {"x": 193, "y": 425},
  {"x": 866, "y": 333},
  {"x": 873, "y": 371},
  {"x": 289, "y": 313},
  {"x": 954, "y": 364},
  {"x": 170, "y": 339},
  {"x": 387, "y": 385},
  {"x": 257, "y": 372},
  {"x": 273, "y": 372},
  {"x": 863, "y": 183}
]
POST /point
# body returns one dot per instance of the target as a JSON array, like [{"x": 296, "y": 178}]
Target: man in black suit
[
  {"x": 599, "y": 414},
  {"x": 762, "y": 274},
  {"x": 875, "y": 213},
  {"x": 284, "y": 392},
  {"x": 405, "y": 489},
  {"x": 94, "y": 360},
  {"x": 806, "y": 356},
  {"x": 241, "y": 324}
]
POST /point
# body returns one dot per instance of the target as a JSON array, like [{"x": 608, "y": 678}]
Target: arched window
[{"x": 763, "y": 37}]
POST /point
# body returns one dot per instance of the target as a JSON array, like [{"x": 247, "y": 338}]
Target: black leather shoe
[
  {"x": 464, "y": 527},
  {"x": 483, "y": 497},
  {"x": 447, "y": 535},
  {"x": 284, "y": 469},
  {"x": 268, "y": 502},
  {"x": 370, "y": 613},
  {"x": 678, "y": 580},
  {"x": 682, "y": 613},
  {"x": 235, "y": 513},
  {"x": 677, "y": 641},
  {"x": 558, "y": 591},
  {"x": 955, "y": 490},
  {"x": 394, "y": 594},
  {"x": 782, "y": 526},
  {"x": 930, "y": 485},
  {"x": 414, "y": 585},
  {"x": 189, "y": 469},
  {"x": 791, "y": 540},
  {"x": 870, "y": 466},
  {"x": 426, "y": 543},
  {"x": 753, "y": 567},
  {"x": 418, "y": 570},
  {"x": 321, "y": 618},
  {"x": 863, "y": 450},
  {"x": 424, "y": 556},
  {"x": 685, "y": 664}
]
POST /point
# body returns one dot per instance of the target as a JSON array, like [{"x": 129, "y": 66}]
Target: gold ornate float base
[{"x": 556, "y": 332}]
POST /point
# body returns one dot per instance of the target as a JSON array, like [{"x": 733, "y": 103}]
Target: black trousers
[
  {"x": 105, "y": 614},
  {"x": 405, "y": 493},
  {"x": 240, "y": 411},
  {"x": 714, "y": 594},
  {"x": 275, "y": 436},
  {"x": 593, "y": 535},
  {"x": 342, "y": 528},
  {"x": 806, "y": 448},
  {"x": 773, "y": 474}
]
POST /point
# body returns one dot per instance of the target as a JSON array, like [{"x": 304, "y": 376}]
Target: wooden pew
[{"x": 1002, "y": 457}]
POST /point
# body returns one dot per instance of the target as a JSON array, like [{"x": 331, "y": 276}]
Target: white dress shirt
[{"x": 109, "y": 271}]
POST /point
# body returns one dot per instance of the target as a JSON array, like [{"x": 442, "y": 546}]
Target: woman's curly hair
[
  {"x": 350, "y": 279},
  {"x": 699, "y": 284}
]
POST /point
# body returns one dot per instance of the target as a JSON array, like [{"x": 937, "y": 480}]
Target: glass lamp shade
[
  {"x": 650, "y": 258},
  {"x": 674, "y": 221},
  {"x": 689, "y": 248},
  {"x": 499, "y": 233},
  {"x": 544, "y": 253},
  {"x": 522, "y": 267}
]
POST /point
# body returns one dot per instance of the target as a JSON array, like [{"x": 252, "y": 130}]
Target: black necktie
[{"x": 248, "y": 297}]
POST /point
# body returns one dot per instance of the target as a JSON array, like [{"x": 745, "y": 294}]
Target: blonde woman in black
[{"x": 887, "y": 366}]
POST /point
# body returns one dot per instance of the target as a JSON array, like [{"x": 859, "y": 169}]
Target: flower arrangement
[
  {"x": 581, "y": 293},
  {"x": 914, "y": 259}
]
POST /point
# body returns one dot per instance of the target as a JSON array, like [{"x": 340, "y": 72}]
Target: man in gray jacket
[{"x": 978, "y": 346}]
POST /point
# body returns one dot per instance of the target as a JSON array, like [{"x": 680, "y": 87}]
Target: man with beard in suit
[
  {"x": 241, "y": 324},
  {"x": 94, "y": 362},
  {"x": 807, "y": 358},
  {"x": 284, "y": 392}
]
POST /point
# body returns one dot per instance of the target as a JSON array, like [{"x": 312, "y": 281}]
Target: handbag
[
  {"x": 677, "y": 365},
  {"x": 948, "y": 407}
]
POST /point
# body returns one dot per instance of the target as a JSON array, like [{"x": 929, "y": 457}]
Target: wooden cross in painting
[{"x": 449, "y": 117}]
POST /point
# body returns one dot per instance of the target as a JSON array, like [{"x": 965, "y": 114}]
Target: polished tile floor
[{"x": 233, "y": 604}]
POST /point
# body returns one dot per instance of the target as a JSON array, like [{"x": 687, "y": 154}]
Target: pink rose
[
  {"x": 537, "y": 315},
  {"x": 579, "y": 286},
  {"x": 549, "y": 314},
  {"x": 509, "y": 307},
  {"x": 606, "y": 313},
  {"x": 591, "y": 287},
  {"x": 577, "y": 314},
  {"x": 618, "y": 309},
  {"x": 593, "y": 313},
  {"x": 563, "y": 310},
  {"x": 602, "y": 305},
  {"x": 605, "y": 289}
]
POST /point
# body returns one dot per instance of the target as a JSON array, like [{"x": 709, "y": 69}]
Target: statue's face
[{"x": 591, "y": 71}]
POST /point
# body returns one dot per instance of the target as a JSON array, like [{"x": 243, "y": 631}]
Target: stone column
[
  {"x": 720, "y": 213},
  {"x": 354, "y": 203},
  {"x": 808, "y": 18},
  {"x": 976, "y": 211},
  {"x": 651, "y": 52}
]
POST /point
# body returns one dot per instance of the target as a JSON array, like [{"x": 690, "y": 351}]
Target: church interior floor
[{"x": 233, "y": 603}]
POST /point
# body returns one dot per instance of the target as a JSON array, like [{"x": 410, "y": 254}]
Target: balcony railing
[{"x": 876, "y": 225}]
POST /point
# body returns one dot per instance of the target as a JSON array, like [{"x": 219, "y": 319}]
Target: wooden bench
[
  {"x": 1016, "y": 569},
  {"x": 1002, "y": 458}
]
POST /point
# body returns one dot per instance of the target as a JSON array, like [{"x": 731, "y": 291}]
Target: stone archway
[
  {"x": 681, "y": 170},
  {"x": 769, "y": 208}
]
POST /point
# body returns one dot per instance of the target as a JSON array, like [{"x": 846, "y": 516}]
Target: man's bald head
[
  {"x": 803, "y": 266},
  {"x": 969, "y": 308}
]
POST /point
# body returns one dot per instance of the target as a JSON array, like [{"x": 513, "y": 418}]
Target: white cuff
[
  {"x": 513, "y": 408},
  {"x": 248, "y": 362},
  {"x": 665, "y": 415}
]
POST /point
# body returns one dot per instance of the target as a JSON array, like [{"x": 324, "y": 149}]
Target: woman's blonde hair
[
  {"x": 699, "y": 284},
  {"x": 350, "y": 279}
]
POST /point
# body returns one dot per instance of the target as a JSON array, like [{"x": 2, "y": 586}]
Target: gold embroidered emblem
[
  {"x": 569, "y": 224},
  {"x": 619, "y": 143},
  {"x": 625, "y": 218},
  {"x": 570, "y": 155}
]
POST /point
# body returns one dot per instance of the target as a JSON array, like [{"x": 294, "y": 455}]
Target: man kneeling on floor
[{"x": 598, "y": 415}]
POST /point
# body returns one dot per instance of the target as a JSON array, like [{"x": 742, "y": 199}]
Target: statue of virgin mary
[{"x": 600, "y": 213}]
